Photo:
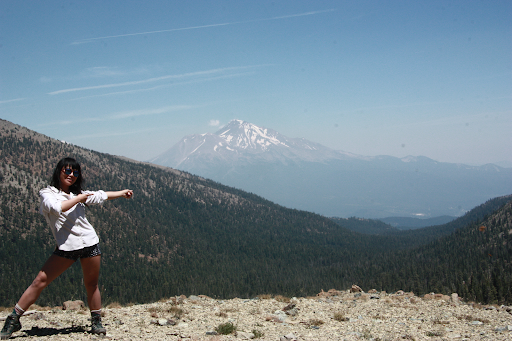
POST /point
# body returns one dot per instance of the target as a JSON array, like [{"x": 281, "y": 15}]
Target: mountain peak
[
  {"x": 244, "y": 140},
  {"x": 244, "y": 135}
]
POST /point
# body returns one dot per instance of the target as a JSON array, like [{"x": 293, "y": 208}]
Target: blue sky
[{"x": 131, "y": 78}]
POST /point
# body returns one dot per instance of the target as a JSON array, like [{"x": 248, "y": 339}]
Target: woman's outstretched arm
[{"x": 125, "y": 193}]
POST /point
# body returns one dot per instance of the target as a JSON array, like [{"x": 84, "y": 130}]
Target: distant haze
[{"x": 305, "y": 175}]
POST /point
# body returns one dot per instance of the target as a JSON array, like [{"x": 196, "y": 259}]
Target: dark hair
[{"x": 76, "y": 188}]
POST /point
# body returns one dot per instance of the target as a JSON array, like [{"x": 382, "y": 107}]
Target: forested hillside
[
  {"x": 182, "y": 234},
  {"x": 474, "y": 261}
]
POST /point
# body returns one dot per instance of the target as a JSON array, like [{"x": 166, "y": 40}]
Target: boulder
[
  {"x": 355, "y": 288},
  {"x": 73, "y": 305}
]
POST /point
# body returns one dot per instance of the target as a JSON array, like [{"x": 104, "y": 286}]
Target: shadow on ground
[{"x": 36, "y": 331}]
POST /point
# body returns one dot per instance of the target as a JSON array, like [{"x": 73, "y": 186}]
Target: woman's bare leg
[
  {"x": 91, "y": 271},
  {"x": 52, "y": 269}
]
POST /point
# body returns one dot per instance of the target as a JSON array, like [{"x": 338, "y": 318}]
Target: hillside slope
[{"x": 181, "y": 234}]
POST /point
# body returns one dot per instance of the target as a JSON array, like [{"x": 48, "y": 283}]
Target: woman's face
[{"x": 67, "y": 180}]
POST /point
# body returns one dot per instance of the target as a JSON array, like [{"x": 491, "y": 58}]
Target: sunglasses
[{"x": 68, "y": 171}]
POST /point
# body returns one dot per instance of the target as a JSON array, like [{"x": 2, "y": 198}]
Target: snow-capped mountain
[
  {"x": 298, "y": 173},
  {"x": 244, "y": 140}
]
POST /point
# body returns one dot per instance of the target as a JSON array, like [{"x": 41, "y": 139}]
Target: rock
[
  {"x": 194, "y": 298},
  {"x": 288, "y": 337},
  {"x": 292, "y": 312},
  {"x": 355, "y": 288},
  {"x": 244, "y": 335},
  {"x": 280, "y": 316},
  {"x": 73, "y": 305},
  {"x": 162, "y": 322},
  {"x": 455, "y": 299},
  {"x": 289, "y": 306}
]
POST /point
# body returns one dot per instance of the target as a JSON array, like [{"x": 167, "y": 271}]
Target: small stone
[
  {"x": 289, "y": 337},
  {"x": 245, "y": 335}
]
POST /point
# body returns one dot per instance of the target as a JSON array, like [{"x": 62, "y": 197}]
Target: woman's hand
[
  {"x": 127, "y": 193},
  {"x": 82, "y": 197}
]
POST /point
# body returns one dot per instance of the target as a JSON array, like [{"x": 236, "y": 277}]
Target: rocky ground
[{"x": 332, "y": 315}]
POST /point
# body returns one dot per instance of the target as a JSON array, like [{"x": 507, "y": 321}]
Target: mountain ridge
[
  {"x": 305, "y": 175},
  {"x": 183, "y": 234}
]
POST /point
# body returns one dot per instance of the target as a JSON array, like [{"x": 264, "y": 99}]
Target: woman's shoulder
[{"x": 49, "y": 190}]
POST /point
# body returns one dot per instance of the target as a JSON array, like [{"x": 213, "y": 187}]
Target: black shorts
[{"x": 86, "y": 252}]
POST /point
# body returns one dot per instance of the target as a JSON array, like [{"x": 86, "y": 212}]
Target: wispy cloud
[
  {"x": 207, "y": 79},
  {"x": 155, "y": 79},
  {"x": 91, "y": 40},
  {"x": 150, "y": 111},
  {"x": 125, "y": 115},
  {"x": 214, "y": 123},
  {"x": 101, "y": 71},
  {"x": 12, "y": 100}
]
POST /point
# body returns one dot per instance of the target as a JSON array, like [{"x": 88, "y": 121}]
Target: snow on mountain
[{"x": 240, "y": 139}]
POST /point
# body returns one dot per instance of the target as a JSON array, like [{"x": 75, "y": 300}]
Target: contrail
[
  {"x": 91, "y": 40},
  {"x": 156, "y": 79},
  {"x": 12, "y": 100}
]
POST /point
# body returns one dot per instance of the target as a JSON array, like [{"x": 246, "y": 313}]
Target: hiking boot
[
  {"x": 96, "y": 326},
  {"x": 12, "y": 324}
]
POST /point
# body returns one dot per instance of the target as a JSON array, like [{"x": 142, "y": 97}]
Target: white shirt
[{"x": 71, "y": 229}]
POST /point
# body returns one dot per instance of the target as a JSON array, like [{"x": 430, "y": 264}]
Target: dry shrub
[
  {"x": 472, "y": 318},
  {"x": 315, "y": 322},
  {"x": 340, "y": 317},
  {"x": 39, "y": 308},
  {"x": 226, "y": 328},
  {"x": 177, "y": 312},
  {"x": 433, "y": 333},
  {"x": 114, "y": 305},
  {"x": 281, "y": 298},
  {"x": 265, "y": 297}
]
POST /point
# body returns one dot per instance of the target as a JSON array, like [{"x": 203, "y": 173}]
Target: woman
[{"x": 63, "y": 205}]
